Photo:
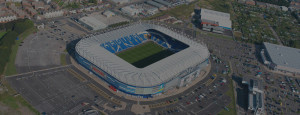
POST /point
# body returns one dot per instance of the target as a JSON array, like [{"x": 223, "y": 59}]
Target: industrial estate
[{"x": 149, "y": 57}]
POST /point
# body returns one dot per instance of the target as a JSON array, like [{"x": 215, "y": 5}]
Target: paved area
[
  {"x": 43, "y": 49},
  {"x": 61, "y": 90},
  {"x": 38, "y": 52},
  {"x": 56, "y": 89},
  {"x": 52, "y": 91},
  {"x": 66, "y": 90}
]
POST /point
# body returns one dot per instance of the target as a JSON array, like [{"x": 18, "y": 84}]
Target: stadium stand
[
  {"x": 120, "y": 44},
  {"x": 126, "y": 42},
  {"x": 108, "y": 47}
]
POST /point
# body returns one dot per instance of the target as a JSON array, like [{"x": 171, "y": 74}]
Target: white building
[
  {"x": 13, "y": 0},
  {"x": 131, "y": 10},
  {"x": 53, "y": 14},
  {"x": 152, "y": 10},
  {"x": 4, "y": 19},
  {"x": 284, "y": 8},
  {"x": 73, "y": 12},
  {"x": 108, "y": 14},
  {"x": 92, "y": 23},
  {"x": 47, "y": 1},
  {"x": 120, "y": 1},
  {"x": 222, "y": 19},
  {"x": 42, "y": 26}
]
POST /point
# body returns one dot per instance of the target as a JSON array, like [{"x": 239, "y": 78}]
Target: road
[{"x": 275, "y": 34}]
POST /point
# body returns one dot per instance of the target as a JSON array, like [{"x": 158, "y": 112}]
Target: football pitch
[{"x": 144, "y": 54}]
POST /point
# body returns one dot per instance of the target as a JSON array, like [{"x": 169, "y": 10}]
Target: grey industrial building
[
  {"x": 281, "y": 58},
  {"x": 255, "y": 95},
  {"x": 168, "y": 4},
  {"x": 158, "y": 5}
]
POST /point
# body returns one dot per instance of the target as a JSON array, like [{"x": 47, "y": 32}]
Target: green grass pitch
[{"x": 144, "y": 54}]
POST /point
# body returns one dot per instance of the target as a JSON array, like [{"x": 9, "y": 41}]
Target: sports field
[{"x": 144, "y": 54}]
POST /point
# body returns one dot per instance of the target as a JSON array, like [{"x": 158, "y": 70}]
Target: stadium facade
[{"x": 98, "y": 55}]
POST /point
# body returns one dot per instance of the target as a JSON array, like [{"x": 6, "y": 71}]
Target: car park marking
[
  {"x": 208, "y": 82},
  {"x": 65, "y": 66},
  {"x": 103, "y": 94},
  {"x": 78, "y": 76},
  {"x": 162, "y": 104}
]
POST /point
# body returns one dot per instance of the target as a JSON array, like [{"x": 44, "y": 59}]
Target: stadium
[{"x": 142, "y": 59}]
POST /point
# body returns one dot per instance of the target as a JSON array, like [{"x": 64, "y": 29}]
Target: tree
[
  {"x": 2, "y": 27},
  {"x": 277, "y": 2},
  {"x": 20, "y": 27},
  {"x": 93, "y": 1},
  {"x": 13, "y": 29}
]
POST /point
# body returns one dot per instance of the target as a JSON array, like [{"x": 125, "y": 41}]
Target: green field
[
  {"x": 2, "y": 34},
  {"x": 10, "y": 66},
  {"x": 231, "y": 106},
  {"x": 145, "y": 54}
]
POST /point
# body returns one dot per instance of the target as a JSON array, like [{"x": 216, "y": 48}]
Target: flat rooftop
[
  {"x": 283, "y": 55},
  {"x": 222, "y": 18}
]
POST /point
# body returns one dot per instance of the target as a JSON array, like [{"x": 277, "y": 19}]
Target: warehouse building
[
  {"x": 281, "y": 58},
  {"x": 120, "y": 1},
  {"x": 140, "y": 9},
  {"x": 92, "y": 23},
  {"x": 213, "y": 20},
  {"x": 255, "y": 95},
  {"x": 168, "y": 4},
  {"x": 155, "y": 4},
  {"x": 131, "y": 10}
]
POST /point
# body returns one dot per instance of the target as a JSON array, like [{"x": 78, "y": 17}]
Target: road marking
[
  {"x": 103, "y": 94},
  {"x": 162, "y": 104},
  {"x": 74, "y": 109},
  {"x": 78, "y": 76},
  {"x": 208, "y": 82},
  {"x": 65, "y": 66}
]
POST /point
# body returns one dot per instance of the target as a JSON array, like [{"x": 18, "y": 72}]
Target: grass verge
[
  {"x": 10, "y": 67},
  {"x": 183, "y": 11},
  {"x": 2, "y": 34},
  {"x": 63, "y": 60},
  {"x": 61, "y": 3},
  {"x": 219, "y": 36},
  {"x": 9, "y": 99},
  {"x": 231, "y": 106}
]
